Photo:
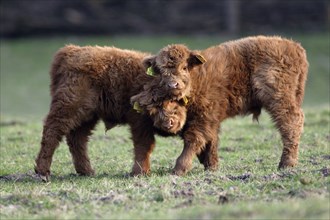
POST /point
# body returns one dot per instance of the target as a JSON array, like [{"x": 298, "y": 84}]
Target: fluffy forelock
[{"x": 173, "y": 55}]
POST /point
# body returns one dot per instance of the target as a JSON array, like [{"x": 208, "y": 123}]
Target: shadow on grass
[{"x": 32, "y": 177}]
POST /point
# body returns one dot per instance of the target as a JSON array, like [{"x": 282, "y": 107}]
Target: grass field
[{"x": 247, "y": 184}]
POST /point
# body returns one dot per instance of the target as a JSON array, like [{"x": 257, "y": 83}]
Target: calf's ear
[
  {"x": 195, "y": 59},
  {"x": 149, "y": 61}
]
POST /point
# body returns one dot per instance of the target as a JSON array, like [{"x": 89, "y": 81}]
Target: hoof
[
  {"x": 181, "y": 168},
  {"x": 86, "y": 173},
  {"x": 179, "y": 172},
  {"x": 44, "y": 176},
  {"x": 139, "y": 173},
  {"x": 45, "y": 179},
  {"x": 211, "y": 168},
  {"x": 287, "y": 164}
]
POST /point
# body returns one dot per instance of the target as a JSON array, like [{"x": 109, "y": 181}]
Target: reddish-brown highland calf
[
  {"x": 238, "y": 78},
  {"x": 93, "y": 83}
]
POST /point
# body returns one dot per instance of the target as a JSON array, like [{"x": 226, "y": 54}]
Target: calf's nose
[
  {"x": 169, "y": 124},
  {"x": 173, "y": 85}
]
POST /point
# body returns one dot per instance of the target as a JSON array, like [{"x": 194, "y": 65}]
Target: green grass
[{"x": 247, "y": 184}]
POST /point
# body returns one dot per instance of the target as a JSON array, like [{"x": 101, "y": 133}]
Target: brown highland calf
[
  {"x": 238, "y": 78},
  {"x": 92, "y": 83}
]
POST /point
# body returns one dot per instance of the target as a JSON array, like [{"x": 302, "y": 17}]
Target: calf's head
[
  {"x": 169, "y": 116},
  {"x": 173, "y": 64}
]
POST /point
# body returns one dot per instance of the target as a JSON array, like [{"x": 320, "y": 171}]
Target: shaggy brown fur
[
  {"x": 170, "y": 116},
  {"x": 92, "y": 83},
  {"x": 239, "y": 77}
]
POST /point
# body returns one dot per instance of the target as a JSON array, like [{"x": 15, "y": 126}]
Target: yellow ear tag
[
  {"x": 185, "y": 100},
  {"x": 150, "y": 71},
  {"x": 137, "y": 107},
  {"x": 201, "y": 58}
]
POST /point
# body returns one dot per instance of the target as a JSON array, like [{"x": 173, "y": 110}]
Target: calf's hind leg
[
  {"x": 54, "y": 129},
  {"x": 59, "y": 122},
  {"x": 289, "y": 120},
  {"x": 274, "y": 88},
  {"x": 77, "y": 140}
]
